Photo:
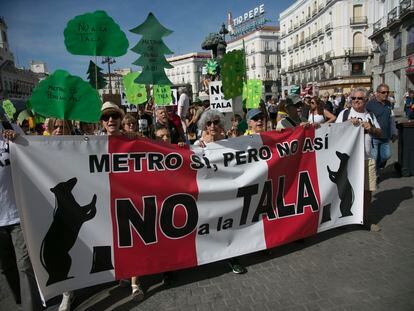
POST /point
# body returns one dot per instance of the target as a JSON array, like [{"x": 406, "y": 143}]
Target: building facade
[
  {"x": 393, "y": 35},
  {"x": 262, "y": 57},
  {"x": 15, "y": 83},
  {"x": 325, "y": 45},
  {"x": 188, "y": 70}
]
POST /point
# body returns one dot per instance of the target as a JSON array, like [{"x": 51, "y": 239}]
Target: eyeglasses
[
  {"x": 257, "y": 118},
  {"x": 114, "y": 116},
  {"x": 357, "y": 98},
  {"x": 385, "y": 92},
  {"x": 215, "y": 122}
]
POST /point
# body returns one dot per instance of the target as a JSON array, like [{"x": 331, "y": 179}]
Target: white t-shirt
[
  {"x": 8, "y": 209},
  {"x": 316, "y": 118},
  {"x": 364, "y": 117},
  {"x": 183, "y": 105}
]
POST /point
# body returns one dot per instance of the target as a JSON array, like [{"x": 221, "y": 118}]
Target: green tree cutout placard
[
  {"x": 95, "y": 76},
  {"x": 233, "y": 69},
  {"x": 9, "y": 108},
  {"x": 66, "y": 97},
  {"x": 152, "y": 50},
  {"x": 162, "y": 95},
  {"x": 253, "y": 93},
  {"x": 95, "y": 34},
  {"x": 136, "y": 93}
]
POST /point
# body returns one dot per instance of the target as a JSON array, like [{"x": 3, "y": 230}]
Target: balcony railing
[
  {"x": 296, "y": 45},
  {"x": 357, "y": 51},
  {"x": 392, "y": 16},
  {"x": 314, "y": 35},
  {"x": 320, "y": 57},
  {"x": 320, "y": 32},
  {"x": 321, "y": 6},
  {"x": 290, "y": 29},
  {"x": 253, "y": 66},
  {"x": 406, "y": 6},
  {"x": 268, "y": 64},
  {"x": 314, "y": 12},
  {"x": 307, "y": 62},
  {"x": 301, "y": 22},
  {"x": 308, "y": 17},
  {"x": 328, "y": 55},
  {"x": 328, "y": 27},
  {"x": 290, "y": 48},
  {"x": 301, "y": 41},
  {"x": 377, "y": 25},
  {"x": 307, "y": 39},
  {"x": 358, "y": 20}
]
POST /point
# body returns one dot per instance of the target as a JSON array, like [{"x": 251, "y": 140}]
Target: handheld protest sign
[
  {"x": 9, "y": 108},
  {"x": 232, "y": 73},
  {"x": 95, "y": 34},
  {"x": 162, "y": 95},
  {"x": 152, "y": 50},
  {"x": 66, "y": 97},
  {"x": 253, "y": 93},
  {"x": 136, "y": 93}
]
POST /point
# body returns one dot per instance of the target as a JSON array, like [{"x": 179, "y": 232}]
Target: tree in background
[{"x": 95, "y": 76}]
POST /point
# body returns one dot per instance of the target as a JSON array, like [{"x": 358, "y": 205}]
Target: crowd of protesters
[{"x": 195, "y": 124}]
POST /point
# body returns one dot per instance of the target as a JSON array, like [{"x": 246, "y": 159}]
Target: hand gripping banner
[{"x": 96, "y": 209}]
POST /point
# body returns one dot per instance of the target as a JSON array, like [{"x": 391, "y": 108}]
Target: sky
[{"x": 35, "y": 27}]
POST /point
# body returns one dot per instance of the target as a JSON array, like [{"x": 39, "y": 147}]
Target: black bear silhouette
[
  {"x": 68, "y": 218},
  {"x": 345, "y": 190}
]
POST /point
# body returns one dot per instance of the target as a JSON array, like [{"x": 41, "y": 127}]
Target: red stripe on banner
[
  {"x": 161, "y": 238},
  {"x": 294, "y": 178}
]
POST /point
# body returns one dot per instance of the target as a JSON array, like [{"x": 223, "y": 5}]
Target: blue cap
[{"x": 252, "y": 113}]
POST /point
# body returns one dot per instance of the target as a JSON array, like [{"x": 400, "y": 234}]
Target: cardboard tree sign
[
  {"x": 152, "y": 50},
  {"x": 233, "y": 70},
  {"x": 135, "y": 93},
  {"x": 162, "y": 95},
  {"x": 95, "y": 76},
  {"x": 9, "y": 108},
  {"x": 66, "y": 97},
  {"x": 253, "y": 93},
  {"x": 95, "y": 34}
]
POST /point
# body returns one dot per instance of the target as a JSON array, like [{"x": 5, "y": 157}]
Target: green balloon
[
  {"x": 95, "y": 34},
  {"x": 9, "y": 108},
  {"x": 66, "y": 97}
]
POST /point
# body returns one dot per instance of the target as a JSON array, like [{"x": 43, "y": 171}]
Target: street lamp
[{"x": 108, "y": 60}]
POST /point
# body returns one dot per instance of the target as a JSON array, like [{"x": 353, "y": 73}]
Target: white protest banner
[
  {"x": 217, "y": 101},
  {"x": 93, "y": 209}
]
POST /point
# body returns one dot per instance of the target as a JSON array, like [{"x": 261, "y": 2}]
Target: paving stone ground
[{"x": 342, "y": 269}]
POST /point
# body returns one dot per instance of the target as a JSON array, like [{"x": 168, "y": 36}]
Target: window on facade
[
  {"x": 397, "y": 46},
  {"x": 357, "y": 68},
  {"x": 357, "y": 10},
  {"x": 4, "y": 36},
  {"x": 267, "y": 59},
  {"x": 358, "y": 42},
  {"x": 267, "y": 45},
  {"x": 410, "y": 40}
]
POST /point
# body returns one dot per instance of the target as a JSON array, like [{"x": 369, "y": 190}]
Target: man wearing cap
[
  {"x": 255, "y": 121},
  {"x": 293, "y": 118}
]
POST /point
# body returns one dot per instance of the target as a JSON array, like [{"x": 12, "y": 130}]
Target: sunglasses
[
  {"x": 114, "y": 116},
  {"x": 385, "y": 92},
  {"x": 257, "y": 118},
  {"x": 357, "y": 98},
  {"x": 215, "y": 122}
]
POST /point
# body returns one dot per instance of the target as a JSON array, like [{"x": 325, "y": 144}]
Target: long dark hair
[{"x": 319, "y": 105}]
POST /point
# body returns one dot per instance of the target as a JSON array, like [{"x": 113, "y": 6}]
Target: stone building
[
  {"x": 325, "y": 45},
  {"x": 393, "y": 35}
]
